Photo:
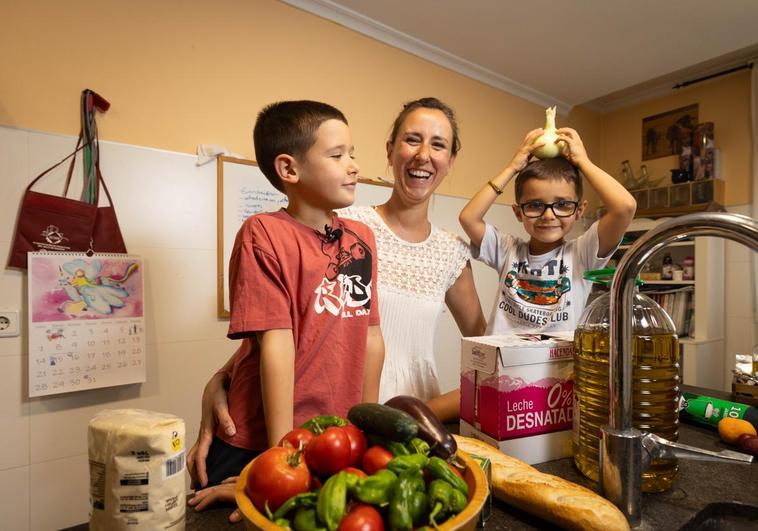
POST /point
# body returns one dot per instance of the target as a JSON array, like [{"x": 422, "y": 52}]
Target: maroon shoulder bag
[{"x": 54, "y": 223}]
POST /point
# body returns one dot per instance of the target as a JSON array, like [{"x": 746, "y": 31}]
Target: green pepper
[
  {"x": 404, "y": 462},
  {"x": 400, "y": 518},
  {"x": 305, "y": 499},
  {"x": 351, "y": 480},
  {"x": 458, "y": 501},
  {"x": 419, "y": 484},
  {"x": 332, "y": 501},
  {"x": 440, "y": 494},
  {"x": 419, "y": 506},
  {"x": 375, "y": 489},
  {"x": 321, "y": 422},
  {"x": 395, "y": 448},
  {"x": 282, "y": 522},
  {"x": 439, "y": 469},
  {"x": 306, "y": 519},
  {"x": 419, "y": 446}
]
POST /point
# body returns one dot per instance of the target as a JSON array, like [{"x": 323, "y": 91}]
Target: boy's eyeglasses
[{"x": 562, "y": 209}]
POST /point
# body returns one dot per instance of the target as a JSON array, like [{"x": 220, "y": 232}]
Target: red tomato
[
  {"x": 376, "y": 458},
  {"x": 362, "y": 517},
  {"x": 294, "y": 438},
  {"x": 358, "y": 444},
  {"x": 357, "y": 471},
  {"x": 275, "y": 476},
  {"x": 329, "y": 452}
]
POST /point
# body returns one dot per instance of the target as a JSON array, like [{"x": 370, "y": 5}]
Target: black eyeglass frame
[{"x": 551, "y": 206}]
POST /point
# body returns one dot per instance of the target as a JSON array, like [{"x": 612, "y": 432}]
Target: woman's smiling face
[{"x": 421, "y": 155}]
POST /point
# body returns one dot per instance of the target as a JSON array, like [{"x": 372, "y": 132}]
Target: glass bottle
[
  {"x": 667, "y": 269},
  {"x": 630, "y": 182},
  {"x": 655, "y": 356}
]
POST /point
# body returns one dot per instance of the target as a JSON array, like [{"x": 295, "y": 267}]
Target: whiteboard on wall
[{"x": 243, "y": 191}]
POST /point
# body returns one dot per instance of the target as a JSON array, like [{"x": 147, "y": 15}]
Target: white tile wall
[
  {"x": 15, "y": 498},
  {"x": 14, "y": 413},
  {"x": 59, "y": 493},
  {"x": 167, "y": 211}
]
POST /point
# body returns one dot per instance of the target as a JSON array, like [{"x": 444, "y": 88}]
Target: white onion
[{"x": 551, "y": 149}]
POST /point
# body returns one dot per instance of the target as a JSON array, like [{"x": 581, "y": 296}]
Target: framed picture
[{"x": 665, "y": 134}]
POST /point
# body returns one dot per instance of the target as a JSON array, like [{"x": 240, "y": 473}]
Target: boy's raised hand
[
  {"x": 574, "y": 150},
  {"x": 524, "y": 151}
]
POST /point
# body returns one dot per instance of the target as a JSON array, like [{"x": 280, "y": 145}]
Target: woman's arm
[
  {"x": 372, "y": 370},
  {"x": 214, "y": 412},
  {"x": 463, "y": 302}
]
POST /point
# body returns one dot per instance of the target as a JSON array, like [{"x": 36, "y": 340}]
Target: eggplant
[{"x": 430, "y": 429}]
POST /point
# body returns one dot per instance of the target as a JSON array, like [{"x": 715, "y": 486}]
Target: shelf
[
  {"x": 678, "y": 211},
  {"x": 689, "y": 340},
  {"x": 669, "y": 282},
  {"x": 688, "y": 243}
]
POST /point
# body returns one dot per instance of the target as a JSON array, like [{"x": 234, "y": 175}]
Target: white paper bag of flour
[{"x": 136, "y": 465}]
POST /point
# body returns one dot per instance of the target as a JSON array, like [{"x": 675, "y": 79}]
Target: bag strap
[
  {"x": 71, "y": 168},
  {"x": 100, "y": 179},
  {"x": 79, "y": 147}
]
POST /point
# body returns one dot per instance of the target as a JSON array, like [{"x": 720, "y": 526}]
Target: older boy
[
  {"x": 302, "y": 290},
  {"x": 541, "y": 285}
]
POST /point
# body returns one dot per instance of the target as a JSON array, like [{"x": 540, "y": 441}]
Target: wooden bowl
[{"x": 465, "y": 520}]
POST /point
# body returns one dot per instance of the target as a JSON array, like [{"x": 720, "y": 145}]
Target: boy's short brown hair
[
  {"x": 546, "y": 169},
  {"x": 288, "y": 127}
]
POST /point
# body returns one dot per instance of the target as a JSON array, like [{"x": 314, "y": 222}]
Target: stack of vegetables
[{"x": 391, "y": 466}]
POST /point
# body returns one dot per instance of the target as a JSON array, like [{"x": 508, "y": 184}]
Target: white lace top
[{"x": 413, "y": 279}]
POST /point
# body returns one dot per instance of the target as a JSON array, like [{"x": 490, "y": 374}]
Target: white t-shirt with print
[{"x": 539, "y": 293}]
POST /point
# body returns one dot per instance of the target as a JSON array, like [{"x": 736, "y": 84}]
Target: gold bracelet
[{"x": 495, "y": 187}]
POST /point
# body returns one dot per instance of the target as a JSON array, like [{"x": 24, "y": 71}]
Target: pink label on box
[{"x": 525, "y": 408}]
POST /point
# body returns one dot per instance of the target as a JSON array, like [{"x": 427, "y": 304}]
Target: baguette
[{"x": 549, "y": 497}]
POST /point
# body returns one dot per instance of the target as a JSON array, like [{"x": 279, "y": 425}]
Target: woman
[{"x": 421, "y": 269}]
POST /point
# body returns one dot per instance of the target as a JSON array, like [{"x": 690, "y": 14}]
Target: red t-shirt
[{"x": 285, "y": 275}]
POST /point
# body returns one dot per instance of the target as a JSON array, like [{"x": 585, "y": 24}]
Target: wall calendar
[{"x": 86, "y": 322}]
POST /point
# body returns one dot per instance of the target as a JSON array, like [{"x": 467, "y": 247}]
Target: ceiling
[{"x": 601, "y": 53}]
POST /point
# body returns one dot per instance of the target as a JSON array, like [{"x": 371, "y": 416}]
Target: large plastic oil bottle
[{"x": 655, "y": 357}]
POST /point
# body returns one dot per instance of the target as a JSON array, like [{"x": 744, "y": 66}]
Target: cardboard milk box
[{"x": 517, "y": 393}]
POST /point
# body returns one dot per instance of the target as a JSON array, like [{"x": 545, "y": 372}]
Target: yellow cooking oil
[{"x": 655, "y": 394}]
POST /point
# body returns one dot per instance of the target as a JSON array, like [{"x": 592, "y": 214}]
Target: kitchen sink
[{"x": 723, "y": 516}]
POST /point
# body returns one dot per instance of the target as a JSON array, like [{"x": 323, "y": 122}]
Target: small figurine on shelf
[
  {"x": 667, "y": 269},
  {"x": 688, "y": 267}
]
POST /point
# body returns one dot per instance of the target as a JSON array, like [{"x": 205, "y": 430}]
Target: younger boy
[
  {"x": 302, "y": 290},
  {"x": 541, "y": 284}
]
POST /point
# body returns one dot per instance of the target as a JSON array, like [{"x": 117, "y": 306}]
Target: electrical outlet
[{"x": 8, "y": 323}]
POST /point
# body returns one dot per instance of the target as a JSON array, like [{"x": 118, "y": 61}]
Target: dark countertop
[{"x": 697, "y": 484}]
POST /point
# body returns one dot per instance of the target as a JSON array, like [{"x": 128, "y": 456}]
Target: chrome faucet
[{"x": 624, "y": 451}]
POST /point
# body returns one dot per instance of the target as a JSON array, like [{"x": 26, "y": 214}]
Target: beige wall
[
  {"x": 182, "y": 73},
  {"x": 725, "y": 101}
]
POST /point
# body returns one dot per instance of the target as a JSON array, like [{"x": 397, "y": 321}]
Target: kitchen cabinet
[{"x": 703, "y": 358}]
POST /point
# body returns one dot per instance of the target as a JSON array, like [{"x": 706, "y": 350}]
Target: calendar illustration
[{"x": 86, "y": 322}]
